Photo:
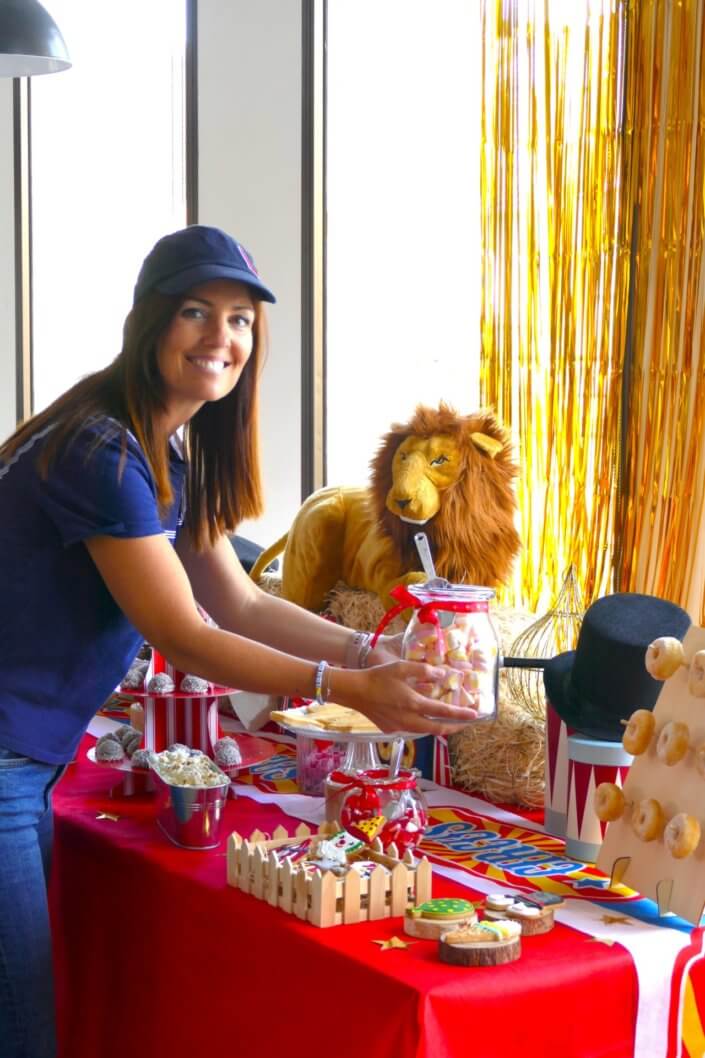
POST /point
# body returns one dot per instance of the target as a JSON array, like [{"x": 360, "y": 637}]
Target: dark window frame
[{"x": 22, "y": 123}]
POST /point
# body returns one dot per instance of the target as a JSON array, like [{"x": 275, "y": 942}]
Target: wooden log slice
[
  {"x": 432, "y": 929},
  {"x": 480, "y": 953}
]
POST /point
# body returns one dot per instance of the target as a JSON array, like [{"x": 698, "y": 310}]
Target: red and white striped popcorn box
[
  {"x": 191, "y": 720},
  {"x": 442, "y": 773}
]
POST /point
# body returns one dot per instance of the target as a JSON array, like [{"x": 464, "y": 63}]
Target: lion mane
[{"x": 473, "y": 538}]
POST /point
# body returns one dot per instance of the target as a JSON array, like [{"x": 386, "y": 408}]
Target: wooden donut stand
[{"x": 677, "y": 885}]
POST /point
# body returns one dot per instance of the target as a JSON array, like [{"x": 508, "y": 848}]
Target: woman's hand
[
  {"x": 387, "y": 695},
  {"x": 386, "y": 649}
]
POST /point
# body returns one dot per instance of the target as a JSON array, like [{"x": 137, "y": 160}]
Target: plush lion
[{"x": 448, "y": 475}]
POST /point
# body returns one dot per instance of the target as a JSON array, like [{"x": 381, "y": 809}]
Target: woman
[{"x": 109, "y": 537}]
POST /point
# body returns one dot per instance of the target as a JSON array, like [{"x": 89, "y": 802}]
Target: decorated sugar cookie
[
  {"x": 367, "y": 829},
  {"x": 532, "y": 916},
  {"x": 430, "y": 919}
]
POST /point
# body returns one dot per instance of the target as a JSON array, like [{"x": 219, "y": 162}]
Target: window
[
  {"x": 403, "y": 219},
  {"x": 107, "y": 177}
]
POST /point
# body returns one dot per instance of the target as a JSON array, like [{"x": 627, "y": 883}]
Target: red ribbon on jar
[
  {"x": 426, "y": 610},
  {"x": 376, "y": 779}
]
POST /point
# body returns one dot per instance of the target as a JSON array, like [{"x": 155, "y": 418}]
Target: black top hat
[{"x": 604, "y": 679}]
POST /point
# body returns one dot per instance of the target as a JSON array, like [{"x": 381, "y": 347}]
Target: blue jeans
[{"x": 26, "y": 979}]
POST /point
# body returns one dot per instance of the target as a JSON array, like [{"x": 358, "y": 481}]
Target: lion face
[
  {"x": 422, "y": 469},
  {"x": 453, "y": 474}
]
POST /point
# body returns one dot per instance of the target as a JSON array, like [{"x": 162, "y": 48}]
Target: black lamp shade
[{"x": 30, "y": 41}]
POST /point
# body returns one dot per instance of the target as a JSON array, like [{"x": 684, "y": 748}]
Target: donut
[
  {"x": 648, "y": 820},
  {"x": 663, "y": 657},
  {"x": 638, "y": 732},
  {"x": 696, "y": 676},
  {"x": 609, "y": 802},
  {"x": 673, "y": 742},
  {"x": 681, "y": 835},
  {"x": 700, "y": 759}
]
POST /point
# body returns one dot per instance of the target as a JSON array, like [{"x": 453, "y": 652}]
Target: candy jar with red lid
[
  {"x": 451, "y": 627},
  {"x": 377, "y": 805}
]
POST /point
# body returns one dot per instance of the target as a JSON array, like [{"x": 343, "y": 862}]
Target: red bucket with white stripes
[{"x": 191, "y": 719}]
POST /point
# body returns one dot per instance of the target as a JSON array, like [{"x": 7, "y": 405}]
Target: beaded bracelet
[{"x": 321, "y": 672}]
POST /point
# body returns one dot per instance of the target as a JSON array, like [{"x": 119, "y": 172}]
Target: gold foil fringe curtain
[
  {"x": 555, "y": 276},
  {"x": 594, "y": 288},
  {"x": 660, "y": 517}
]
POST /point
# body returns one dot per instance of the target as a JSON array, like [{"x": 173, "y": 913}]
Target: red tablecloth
[{"x": 157, "y": 956}]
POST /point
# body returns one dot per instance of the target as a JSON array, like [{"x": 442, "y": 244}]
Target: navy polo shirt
[{"x": 65, "y": 644}]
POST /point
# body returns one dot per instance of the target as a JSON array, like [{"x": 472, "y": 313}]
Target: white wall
[
  {"x": 7, "y": 264},
  {"x": 249, "y": 179}
]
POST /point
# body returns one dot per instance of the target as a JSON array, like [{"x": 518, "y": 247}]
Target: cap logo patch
[{"x": 247, "y": 260}]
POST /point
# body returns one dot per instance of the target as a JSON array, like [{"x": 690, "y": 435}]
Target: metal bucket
[{"x": 190, "y": 815}]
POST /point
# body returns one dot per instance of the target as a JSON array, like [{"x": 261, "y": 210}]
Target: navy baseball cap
[{"x": 196, "y": 255}]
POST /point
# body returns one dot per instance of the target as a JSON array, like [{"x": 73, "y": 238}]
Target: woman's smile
[{"x": 209, "y": 364}]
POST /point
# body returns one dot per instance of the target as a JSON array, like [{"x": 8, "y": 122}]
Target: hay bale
[
  {"x": 361, "y": 610},
  {"x": 271, "y": 583},
  {"x": 502, "y": 759}
]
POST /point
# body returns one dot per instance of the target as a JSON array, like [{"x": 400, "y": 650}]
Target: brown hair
[{"x": 223, "y": 484}]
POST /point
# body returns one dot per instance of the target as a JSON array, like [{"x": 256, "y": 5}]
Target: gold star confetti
[
  {"x": 609, "y": 920},
  {"x": 393, "y": 942},
  {"x": 108, "y": 815},
  {"x": 604, "y": 940}
]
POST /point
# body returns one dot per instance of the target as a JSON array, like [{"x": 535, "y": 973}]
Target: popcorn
[{"x": 189, "y": 768}]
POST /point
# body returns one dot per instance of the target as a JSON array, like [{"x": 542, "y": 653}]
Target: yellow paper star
[
  {"x": 393, "y": 942},
  {"x": 611, "y": 919},
  {"x": 108, "y": 815},
  {"x": 604, "y": 940}
]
